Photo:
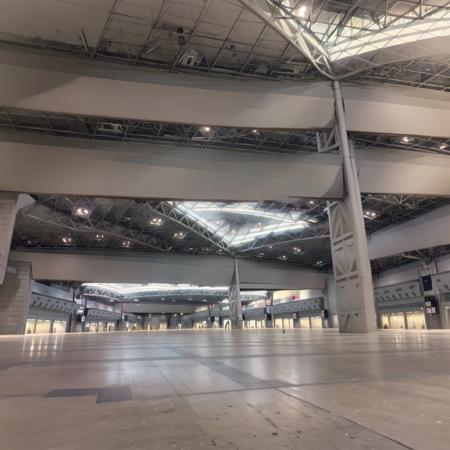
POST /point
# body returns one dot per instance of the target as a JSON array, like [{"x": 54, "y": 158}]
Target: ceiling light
[
  {"x": 297, "y": 250},
  {"x": 157, "y": 221},
  {"x": 67, "y": 240},
  {"x": 301, "y": 11},
  {"x": 206, "y": 129},
  {"x": 179, "y": 235},
  {"x": 370, "y": 214},
  {"x": 442, "y": 146},
  {"x": 320, "y": 262},
  {"x": 254, "y": 131},
  {"x": 126, "y": 244},
  {"x": 99, "y": 236},
  {"x": 283, "y": 257},
  {"x": 405, "y": 139},
  {"x": 82, "y": 212}
]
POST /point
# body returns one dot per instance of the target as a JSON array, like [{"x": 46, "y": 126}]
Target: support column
[
  {"x": 351, "y": 265},
  {"x": 15, "y": 297},
  {"x": 270, "y": 321},
  {"x": 234, "y": 299},
  {"x": 432, "y": 307},
  {"x": 8, "y": 209}
]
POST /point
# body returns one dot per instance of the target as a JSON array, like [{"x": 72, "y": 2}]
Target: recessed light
[
  {"x": 82, "y": 212},
  {"x": 157, "y": 221}
]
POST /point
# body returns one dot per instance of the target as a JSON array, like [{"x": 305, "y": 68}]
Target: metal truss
[
  {"x": 381, "y": 264},
  {"x": 97, "y": 229},
  {"x": 125, "y": 130},
  {"x": 308, "y": 234},
  {"x": 169, "y": 210},
  {"x": 345, "y": 45},
  {"x": 281, "y": 17},
  {"x": 328, "y": 38}
]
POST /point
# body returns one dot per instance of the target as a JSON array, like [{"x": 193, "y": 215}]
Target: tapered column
[
  {"x": 15, "y": 296},
  {"x": 351, "y": 265},
  {"x": 234, "y": 299},
  {"x": 8, "y": 209}
]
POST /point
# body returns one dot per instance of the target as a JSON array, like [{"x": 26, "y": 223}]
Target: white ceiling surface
[
  {"x": 42, "y": 82},
  {"x": 427, "y": 231},
  {"x": 57, "y": 20},
  {"x": 168, "y": 268},
  {"x": 54, "y": 166}
]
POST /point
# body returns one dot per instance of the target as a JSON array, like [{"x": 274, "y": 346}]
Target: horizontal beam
[
  {"x": 389, "y": 171},
  {"x": 39, "y": 81},
  {"x": 51, "y": 165},
  {"x": 169, "y": 172},
  {"x": 429, "y": 230},
  {"x": 166, "y": 268},
  {"x": 42, "y": 82}
]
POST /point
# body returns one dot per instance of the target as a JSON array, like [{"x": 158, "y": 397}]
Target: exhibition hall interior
[{"x": 224, "y": 224}]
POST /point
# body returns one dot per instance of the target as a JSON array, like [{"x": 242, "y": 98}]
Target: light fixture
[
  {"x": 297, "y": 250},
  {"x": 443, "y": 146},
  {"x": 370, "y": 214},
  {"x": 82, "y": 212},
  {"x": 283, "y": 257},
  {"x": 255, "y": 131},
  {"x": 157, "y": 221},
  {"x": 67, "y": 240},
  {"x": 126, "y": 244},
  {"x": 301, "y": 11},
  {"x": 405, "y": 139},
  {"x": 320, "y": 262},
  {"x": 179, "y": 235},
  {"x": 99, "y": 236}
]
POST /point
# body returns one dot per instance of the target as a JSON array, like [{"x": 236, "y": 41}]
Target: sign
[{"x": 431, "y": 304}]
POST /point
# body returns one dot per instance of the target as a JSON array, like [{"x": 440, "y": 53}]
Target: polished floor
[{"x": 254, "y": 389}]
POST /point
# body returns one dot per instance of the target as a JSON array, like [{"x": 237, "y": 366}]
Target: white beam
[
  {"x": 389, "y": 171},
  {"x": 39, "y": 164},
  {"x": 159, "y": 171},
  {"x": 166, "y": 268},
  {"x": 39, "y": 81},
  {"x": 429, "y": 230}
]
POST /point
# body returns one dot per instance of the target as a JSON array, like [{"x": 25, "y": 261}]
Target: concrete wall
[
  {"x": 15, "y": 294},
  {"x": 7, "y": 219}
]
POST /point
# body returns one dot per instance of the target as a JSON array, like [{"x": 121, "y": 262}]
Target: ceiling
[
  {"x": 162, "y": 293},
  {"x": 226, "y": 38},
  {"x": 295, "y": 233}
]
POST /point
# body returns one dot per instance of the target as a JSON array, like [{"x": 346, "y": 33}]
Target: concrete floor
[{"x": 255, "y": 389}]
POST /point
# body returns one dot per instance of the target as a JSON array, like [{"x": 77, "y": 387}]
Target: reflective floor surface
[{"x": 215, "y": 389}]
